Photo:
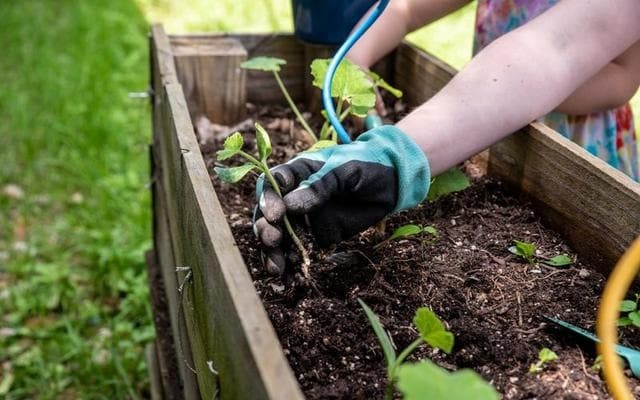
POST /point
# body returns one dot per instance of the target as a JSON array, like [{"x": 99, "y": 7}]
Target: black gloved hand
[{"x": 342, "y": 190}]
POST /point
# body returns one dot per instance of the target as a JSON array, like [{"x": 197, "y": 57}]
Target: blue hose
[{"x": 337, "y": 58}]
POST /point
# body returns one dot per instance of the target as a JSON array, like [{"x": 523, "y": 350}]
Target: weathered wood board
[{"x": 228, "y": 345}]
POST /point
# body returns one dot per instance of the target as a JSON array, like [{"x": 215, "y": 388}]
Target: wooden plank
[
  {"x": 594, "y": 205},
  {"x": 261, "y": 86},
  {"x": 163, "y": 72},
  {"x": 228, "y": 327},
  {"x": 165, "y": 351},
  {"x": 155, "y": 382},
  {"x": 419, "y": 74},
  {"x": 211, "y": 78}
]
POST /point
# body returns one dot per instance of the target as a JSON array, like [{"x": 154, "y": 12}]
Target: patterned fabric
[{"x": 609, "y": 135}]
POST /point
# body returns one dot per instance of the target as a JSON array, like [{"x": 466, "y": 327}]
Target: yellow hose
[{"x": 606, "y": 326}]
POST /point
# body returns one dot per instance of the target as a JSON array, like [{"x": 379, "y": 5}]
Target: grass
[
  {"x": 73, "y": 294},
  {"x": 74, "y": 206}
]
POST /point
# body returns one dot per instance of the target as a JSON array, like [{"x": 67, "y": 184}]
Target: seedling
[
  {"x": 545, "y": 356},
  {"x": 351, "y": 85},
  {"x": 409, "y": 230},
  {"x": 528, "y": 252},
  {"x": 425, "y": 379},
  {"x": 631, "y": 313},
  {"x": 452, "y": 180},
  {"x": 233, "y": 147},
  {"x": 273, "y": 64}
]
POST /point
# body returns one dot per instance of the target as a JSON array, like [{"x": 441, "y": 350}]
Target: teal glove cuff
[{"x": 394, "y": 148}]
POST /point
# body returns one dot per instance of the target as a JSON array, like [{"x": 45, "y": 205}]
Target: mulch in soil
[{"x": 492, "y": 301}]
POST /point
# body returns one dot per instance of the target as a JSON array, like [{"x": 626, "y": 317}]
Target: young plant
[
  {"x": 409, "y": 230},
  {"x": 528, "y": 252},
  {"x": 545, "y": 356},
  {"x": 630, "y": 312},
  {"x": 351, "y": 86},
  {"x": 233, "y": 147},
  {"x": 425, "y": 379},
  {"x": 273, "y": 64},
  {"x": 452, "y": 180}
]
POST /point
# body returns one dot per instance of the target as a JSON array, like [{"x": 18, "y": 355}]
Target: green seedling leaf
[
  {"x": 406, "y": 230},
  {"x": 232, "y": 146},
  {"x": 264, "y": 64},
  {"x": 447, "y": 182},
  {"x": 624, "y": 321},
  {"x": 263, "y": 142},
  {"x": 635, "y": 318},
  {"x": 321, "y": 144},
  {"x": 350, "y": 83},
  {"x": 524, "y": 250},
  {"x": 381, "y": 83},
  {"x": 383, "y": 338},
  {"x": 544, "y": 356},
  {"x": 431, "y": 230},
  {"x": 432, "y": 330},
  {"x": 426, "y": 380},
  {"x": 234, "y": 174},
  {"x": 558, "y": 261},
  {"x": 628, "y": 306}
]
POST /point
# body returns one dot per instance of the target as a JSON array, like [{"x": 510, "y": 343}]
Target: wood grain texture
[
  {"x": 419, "y": 74},
  {"x": 163, "y": 72},
  {"x": 228, "y": 328},
  {"x": 261, "y": 86},
  {"x": 594, "y": 205},
  {"x": 211, "y": 78},
  {"x": 155, "y": 382}
]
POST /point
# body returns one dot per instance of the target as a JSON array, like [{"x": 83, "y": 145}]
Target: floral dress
[{"x": 609, "y": 135}]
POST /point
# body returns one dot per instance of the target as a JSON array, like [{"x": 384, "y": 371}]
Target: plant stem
[
  {"x": 306, "y": 262},
  {"x": 392, "y": 370},
  {"x": 295, "y": 110}
]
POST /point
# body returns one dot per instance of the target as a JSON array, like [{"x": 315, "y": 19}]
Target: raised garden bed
[{"x": 219, "y": 309}]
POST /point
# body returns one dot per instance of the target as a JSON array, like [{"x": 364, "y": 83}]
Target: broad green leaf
[
  {"x": 263, "y": 142},
  {"x": 432, "y": 330},
  {"x": 350, "y": 83},
  {"x": 624, "y": 321},
  {"x": 234, "y": 174},
  {"x": 559, "y": 261},
  {"x": 546, "y": 355},
  {"x": 635, "y": 318},
  {"x": 264, "y": 64},
  {"x": 406, "y": 230},
  {"x": 431, "y": 230},
  {"x": 383, "y": 338},
  {"x": 232, "y": 145},
  {"x": 426, "y": 380},
  {"x": 320, "y": 144},
  {"x": 450, "y": 181},
  {"x": 524, "y": 250},
  {"x": 381, "y": 83},
  {"x": 628, "y": 306}
]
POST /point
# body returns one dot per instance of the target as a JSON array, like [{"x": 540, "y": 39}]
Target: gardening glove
[{"x": 341, "y": 190}]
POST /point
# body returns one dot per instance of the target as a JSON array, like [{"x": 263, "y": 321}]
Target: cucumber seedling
[
  {"x": 233, "y": 147},
  {"x": 425, "y": 379},
  {"x": 527, "y": 251},
  {"x": 273, "y": 64},
  {"x": 409, "y": 230},
  {"x": 630, "y": 313},
  {"x": 545, "y": 356}
]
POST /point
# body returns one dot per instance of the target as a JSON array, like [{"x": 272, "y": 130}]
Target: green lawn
[{"x": 74, "y": 202}]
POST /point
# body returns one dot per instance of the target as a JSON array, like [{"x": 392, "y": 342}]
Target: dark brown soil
[{"x": 491, "y": 300}]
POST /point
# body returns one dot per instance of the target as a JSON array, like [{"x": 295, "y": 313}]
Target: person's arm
[
  {"x": 398, "y": 19},
  {"x": 611, "y": 87},
  {"x": 521, "y": 76}
]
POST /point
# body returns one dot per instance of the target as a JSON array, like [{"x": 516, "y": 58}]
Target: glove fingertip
[{"x": 274, "y": 261}]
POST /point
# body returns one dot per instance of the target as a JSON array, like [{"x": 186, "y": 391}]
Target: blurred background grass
[{"x": 74, "y": 205}]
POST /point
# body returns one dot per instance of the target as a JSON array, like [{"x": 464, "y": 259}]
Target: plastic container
[{"x": 327, "y": 21}]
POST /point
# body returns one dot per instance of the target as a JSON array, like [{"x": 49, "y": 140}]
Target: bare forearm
[
  {"x": 519, "y": 77},
  {"x": 399, "y": 18}
]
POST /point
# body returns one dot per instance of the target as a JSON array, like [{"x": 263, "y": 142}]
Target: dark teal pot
[{"x": 327, "y": 21}]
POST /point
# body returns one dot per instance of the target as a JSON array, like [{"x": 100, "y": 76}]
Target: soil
[{"x": 492, "y": 301}]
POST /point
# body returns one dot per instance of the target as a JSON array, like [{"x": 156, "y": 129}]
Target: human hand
[{"x": 341, "y": 190}]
